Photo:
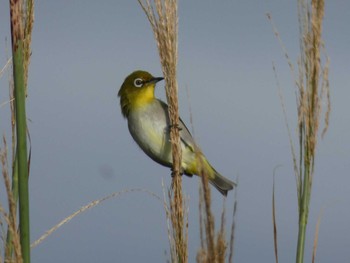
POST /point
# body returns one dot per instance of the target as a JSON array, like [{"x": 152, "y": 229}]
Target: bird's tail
[{"x": 220, "y": 182}]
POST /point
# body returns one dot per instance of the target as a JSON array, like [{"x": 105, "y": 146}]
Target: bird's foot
[
  {"x": 173, "y": 173},
  {"x": 175, "y": 126}
]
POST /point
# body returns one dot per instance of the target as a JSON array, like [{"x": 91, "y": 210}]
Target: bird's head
[{"x": 137, "y": 90}]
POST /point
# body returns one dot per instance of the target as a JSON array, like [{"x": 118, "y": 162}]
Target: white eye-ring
[{"x": 138, "y": 83}]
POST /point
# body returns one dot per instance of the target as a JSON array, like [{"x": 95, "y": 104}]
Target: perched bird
[{"x": 149, "y": 125}]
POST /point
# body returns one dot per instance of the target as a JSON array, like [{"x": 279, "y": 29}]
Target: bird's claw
[
  {"x": 173, "y": 173},
  {"x": 175, "y": 126}
]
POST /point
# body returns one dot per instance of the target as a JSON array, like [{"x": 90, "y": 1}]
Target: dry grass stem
[
  {"x": 8, "y": 63},
  {"x": 209, "y": 219},
  {"x": 162, "y": 15},
  {"x": 201, "y": 220},
  {"x": 207, "y": 251},
  {"x": 213, "y": 246},
  {"x": 274, "y": 223},
  {"x": 233, "y": 226},
  {"x": 171, "y": 219},
  {"x": 172, "y": 245},
  {"x": 15, "y": 240},
  {"x": 284, "y": 49},
  {"x": 5, "y": 103},
  {"x": 292, "y": 147},
  {"x": 221, "y": 244},
  {"x": 10, "y": 217},
  {"x": 91, "y": 205}
]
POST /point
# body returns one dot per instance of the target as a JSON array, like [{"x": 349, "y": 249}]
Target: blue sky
[{"x": 82, "y": 151}]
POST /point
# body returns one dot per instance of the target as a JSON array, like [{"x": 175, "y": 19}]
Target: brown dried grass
[
  {"x": 162, "y": 15},
  {"x": 11, "y": 243},
  {"x": 214, "y": 246},
  {"x": 312, "y": 90}
]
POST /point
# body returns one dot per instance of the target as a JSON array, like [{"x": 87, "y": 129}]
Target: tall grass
[
  {"x": 312, "y": 85},
  {"x": 21, "y": 15},
  {"x": 214, "y": 245},
  {"x": 312, "y": 89},
  {"x": 162, "y": 15},
  {"x": 163, "y": 18}
]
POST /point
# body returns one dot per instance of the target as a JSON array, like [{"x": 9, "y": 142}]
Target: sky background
[{"x": 82, "y": 150}]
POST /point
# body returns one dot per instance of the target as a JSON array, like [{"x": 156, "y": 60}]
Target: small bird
[{"x": 149, "y": 125}]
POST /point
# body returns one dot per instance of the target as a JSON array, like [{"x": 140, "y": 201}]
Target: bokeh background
[{"x": 82, "y": 151}]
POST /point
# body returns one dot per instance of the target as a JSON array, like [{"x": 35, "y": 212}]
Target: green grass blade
[{"x": 17, "y": 35}]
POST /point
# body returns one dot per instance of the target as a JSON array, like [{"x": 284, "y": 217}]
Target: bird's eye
[{"x": 138, "y": 83}]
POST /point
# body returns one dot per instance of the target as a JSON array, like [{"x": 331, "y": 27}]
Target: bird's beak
[{"x": 155, "y": 80}]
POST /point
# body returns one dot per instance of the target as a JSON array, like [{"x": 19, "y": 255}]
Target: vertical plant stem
[
  {"x": 22, "y": 157},
  {"x": 303, "y": 216},
  {"x": 17, "y": 35},
  {"x": 209, "y": 219},
  {"x": 162, "y": 15}
]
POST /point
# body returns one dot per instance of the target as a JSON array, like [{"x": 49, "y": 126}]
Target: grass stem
[{"x": 21, "y": 26}]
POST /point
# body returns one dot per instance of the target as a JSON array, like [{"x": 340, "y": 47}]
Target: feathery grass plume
[
  {"x": 162, "y": 15},
  {"x": 28, "y": 28},
  {"x": 21, "y": 15},
  {"x": 312, "y": 88}
]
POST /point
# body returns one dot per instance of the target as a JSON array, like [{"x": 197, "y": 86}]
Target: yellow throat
[{"x": 137, "y": 91}]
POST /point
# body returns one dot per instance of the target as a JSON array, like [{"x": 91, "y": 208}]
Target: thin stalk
[
  {"x": 162, "y": 15},
  {"x": 9, "y": 235},
  {"x": 17, "y": 35},
  {"x": 303, "y": 216}
]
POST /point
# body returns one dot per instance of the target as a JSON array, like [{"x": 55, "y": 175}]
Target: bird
[{"x": 149, "y": 125}]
